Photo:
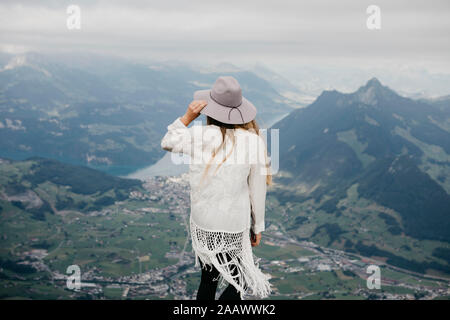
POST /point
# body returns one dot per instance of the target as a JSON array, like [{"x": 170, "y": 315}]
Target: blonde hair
[{"x": 251, "y": 126}]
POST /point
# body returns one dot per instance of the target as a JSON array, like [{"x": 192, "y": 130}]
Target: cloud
[{"x": 278, "y": 31}]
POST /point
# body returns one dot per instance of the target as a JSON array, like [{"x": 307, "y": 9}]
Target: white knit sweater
[{"x": 226, "y": 201}]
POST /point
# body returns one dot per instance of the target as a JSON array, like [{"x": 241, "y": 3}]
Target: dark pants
[{"x": 207, "y": 289}]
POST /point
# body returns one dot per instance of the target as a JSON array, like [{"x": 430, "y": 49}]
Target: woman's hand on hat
[{"x": 193, "y": 111}]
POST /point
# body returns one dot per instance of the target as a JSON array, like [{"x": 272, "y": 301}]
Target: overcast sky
[{"x": 274, "y": 32}]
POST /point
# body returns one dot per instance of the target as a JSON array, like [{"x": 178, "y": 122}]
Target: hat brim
[{"x": 226, "y": 114}]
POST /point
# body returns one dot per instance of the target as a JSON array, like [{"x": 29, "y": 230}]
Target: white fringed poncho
[{"x": 226, "y": 202}]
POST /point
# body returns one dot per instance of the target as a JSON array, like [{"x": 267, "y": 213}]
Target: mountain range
[
  {"x": 374, "y": 168},
  {"x": 366, "y": 172},
  {"x": 104, "y": 112}
]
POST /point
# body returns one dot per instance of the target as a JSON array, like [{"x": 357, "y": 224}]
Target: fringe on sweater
[{"x": 215, "y": 248}]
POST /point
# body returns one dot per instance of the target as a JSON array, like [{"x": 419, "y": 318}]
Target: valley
[{"x": 139, "y": 248}]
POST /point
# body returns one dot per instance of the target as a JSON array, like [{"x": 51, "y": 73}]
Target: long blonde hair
[{"x": 251, "y": 126}]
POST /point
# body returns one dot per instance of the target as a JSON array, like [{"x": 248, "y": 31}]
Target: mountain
[
  {"x": 375, "y": 166},
  {"x": 104, "y": 112},
  {"x": 443, "y": 103},
  {"x": 42, "y": 187},
  {"x": 294, "y": 96},
  {"x": 413, "y": 82}
]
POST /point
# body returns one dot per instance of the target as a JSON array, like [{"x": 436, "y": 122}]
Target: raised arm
[{"x": 178, "y": 137}]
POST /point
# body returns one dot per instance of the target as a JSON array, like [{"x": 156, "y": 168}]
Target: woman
[{"x": 228, "y": 174}]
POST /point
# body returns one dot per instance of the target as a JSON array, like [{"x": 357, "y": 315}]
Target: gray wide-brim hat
[{"x": 226, "y": 103}]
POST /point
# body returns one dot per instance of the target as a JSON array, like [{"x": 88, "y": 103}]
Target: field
[{"x": 138, "y": 247}]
